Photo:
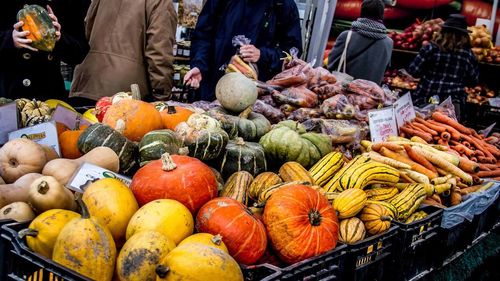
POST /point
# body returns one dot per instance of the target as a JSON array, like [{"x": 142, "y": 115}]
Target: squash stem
[
  {"x": 240, "y": 141},
  {"x": 183, "y": 151},
  {"x": 385, "y": 218},
  {"x": 162, "y": 271},
  {"x": 244, "y": 114},
  {"x": 83, "y": 206},
  {"x": 27, "y": 232},
  {"x": 314, "y": 218},
  {"x": 171, "y": 109},
  {"x": 136, "y": 93},
  {"x": 43, "y": 187},
  {"x": 168, "y": 162},
  {"x": 120, "y": 126},
  {"x": 217, "y": 239}
]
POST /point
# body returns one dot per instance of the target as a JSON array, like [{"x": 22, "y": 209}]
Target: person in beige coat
[{"x": 131, "y": 42}]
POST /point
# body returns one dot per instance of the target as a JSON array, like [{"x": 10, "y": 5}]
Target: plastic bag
[
  {"x": 447, "y": 108},
  {"x": 274, "y": 115},
  {"x": 320, "y": 76},
  {"x": 343, "y": 78},
  {"x": 340, "y": 131},
  {"x": 338, "y": 107},
  {"x": 303, "y": 114},
  {"x": 298, "y": 96},
  {"x": 327, "y": 91},
  {"x": 206, "y": 105},
  {"x": 237, "y": 64}
]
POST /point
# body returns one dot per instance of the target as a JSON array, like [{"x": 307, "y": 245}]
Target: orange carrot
[
  {"x": 388, "y": 145},
  {"x": 429, "y": 125},
  {"x": 473, "y": 159},
  {"x": 441, "y": 118},
  {"x": 476, "y": 179},
  {"x": 424, "y": 128},
  {"x": 488, "y": 174},
  {"x": 455, "y": 197},
  {"x": 483, "y": 167},
  {"x": 431, "y": 202},
  {"x": 445, "y": 136},
  {"x": 470, "y": 189},
  {"x": 468, "y": 166},
  {"x": 497, "y": 178},
  {"x": 436, "y": 198},
  {"x": 414, "y": 166},
  {"x": 419, "y": 158},
  {"x": 463, "y": 149},
  {"x": 412, "y": 132},
  {"x": 477, "y": 143},
  {"x": 466, "y": 143},
  {"x": 442, "y": 142},
  {"x": 455, "y": 135}
]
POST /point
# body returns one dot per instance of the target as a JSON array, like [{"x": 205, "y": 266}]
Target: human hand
[
  {"x": 250, "y": 53},
  {"x": 55, "y": 22},
  {"x": 19, "y": 37},
  {"x": 193, "y": 78}
]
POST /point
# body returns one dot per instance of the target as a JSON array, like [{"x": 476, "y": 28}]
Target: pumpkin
[
  {"x": 243, "y": 156},
  {"x": 115, "y": 213},
  {"x": 247, "y": 125},
  {"x": 288, "y": 141},
  {"x": 36, "y": 108},
  {"x": 235, "y": 92},
  {"x": 19, "y": 157},
  {"x": 351, "y": 230},
  {"x": 165, "y": 216},
  {"x": 206, "y": 239},
  {"x": 47, "y": 193},
  {"x": 18, "y": 211},
  {"x": 203, "y": 136},
  {"x": 132, "y": 117},
  {"x": 68, "y": 142},
  {"x": 21, "y": 103},
  {"x": 41, "y": 30},
  {"x": 261, "y": 182},
  {"x": 182, "y": 178},
  {"x": 86, "y": 246},
  {"x": 237, "y": 185},
  {"x": 266, "y": 192},
  {"x": 300, "y": 223},
  {"x": 103, "y": 104},
  {"x": 41, "y": 235},
  {"x": 293, "y": 171},
  {"x": 243, "y": 234},
  {"x": 377, "y": 218},
  {"x": 5, "y": 101},
  {"x": 154, "y": 144},
  {"x": 349, "y": 202},
  {"x": 198, "y": 262},
  {"x": 171, "y": 116},
  {"x": 18, "y": 190},
  {"x": 141, "y": 254},
  {"x": 102, "y": 135}
]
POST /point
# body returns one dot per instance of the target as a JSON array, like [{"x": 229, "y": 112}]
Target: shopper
[
  {"x": 365, "y": 50},
  {"x": 131, "y": 42},
  {"x": 273, "y": 27},
  {"x": 30, "y": 73},
  {"x": 446, "y": 65}
]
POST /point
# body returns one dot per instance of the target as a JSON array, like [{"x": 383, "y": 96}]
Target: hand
[
  {"x": 193, "y": 78},
  {"x": 55, "y": 22},
  {"x": 19, "y": 37},
  {"x": 250, "y": 53}
]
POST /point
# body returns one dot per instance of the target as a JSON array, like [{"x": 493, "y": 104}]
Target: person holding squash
[
  {"x": 31, "y": 66},
  {"x": 272, "y": 26}
]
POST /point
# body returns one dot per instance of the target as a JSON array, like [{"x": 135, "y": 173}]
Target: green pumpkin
[
  {"x": 248, "y": 125},
  {"x": 42, "y": 32},
  {"x": 243, "y": 156},
  {"x": 288, "y": 141},
  {"x": 99, "y": 134},
  {"x": 203, "y": 136},
  {"x": 4, "y": 100},
  {"x": 156, "y": 143}
]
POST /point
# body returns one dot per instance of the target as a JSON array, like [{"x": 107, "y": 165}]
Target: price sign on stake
[
  {"x": 8, "y": 121},
  {"x": 88, "y": 173},
  {"x": 382, "y": 124},
  {"x": 45, "y": 133},
  {"x": 404, "y": 110}
]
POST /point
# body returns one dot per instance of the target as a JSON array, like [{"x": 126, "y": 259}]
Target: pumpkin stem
[
  {"x": 162, "y": 271},
  {"x": 217, "y": 239},
  {"x": 120, "y": 126},
  {"x": 240, "y": 141},
  {"x": 168, "y": 162},
  {"x": 136, "y": 93},
  {"x": 183, "y": 151},
  {"x": 385, "y": 218},
  {"x": 171, "y": 109},
  {"x": 259, "y": 205},
  {"x": 43, "y": 187},
  {"x": 7, "y": 211},
  {"x": 27, "y": 232},
  {"x": 83, "y": 206},
  {"x": 244, "y": 114},
  {"x": 314, "y": 218}
]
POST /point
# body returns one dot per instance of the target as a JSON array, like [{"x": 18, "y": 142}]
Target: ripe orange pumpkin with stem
[
  {"x": 171, "y": 116},
  {"x": 68, "y": 142}
]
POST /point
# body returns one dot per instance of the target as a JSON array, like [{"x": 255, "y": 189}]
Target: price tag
[
  {"x": 404, "y": 110},
  {"x": 8, "y": 121},
  {"x": 89, "y": 173},
  {"x": 45, "y": 133},
  {"x": 382, "y": 124},
  {"x": 69, "y": 118}
]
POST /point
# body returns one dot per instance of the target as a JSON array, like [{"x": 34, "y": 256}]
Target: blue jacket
[{"x": 273, "y": 26}]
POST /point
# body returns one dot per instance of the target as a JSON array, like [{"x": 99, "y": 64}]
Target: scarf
[{"x": 369, "y": 28}]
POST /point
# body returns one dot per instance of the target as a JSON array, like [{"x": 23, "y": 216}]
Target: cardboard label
[
  {"x": 89, "y": 173},
  {"x": 404, "y": 111},
  {"x": 382, "y": 124},
  {"x": 8, "y": 121},
  {"x": 45, "y": 133},
  {"x": 69, "y": 117}
]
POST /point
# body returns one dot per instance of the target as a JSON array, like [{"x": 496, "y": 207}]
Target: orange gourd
[
  {"x": 68, "y": 142},
  {"x": 171, "y": 116}
]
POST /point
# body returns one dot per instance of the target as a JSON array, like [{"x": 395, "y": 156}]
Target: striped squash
[
  {"x": 325, "y": 168},
  {"x": 237, "y": 186},
  {"x": 332, "y": 184},
  {"x": 381, "y": 193},
  {"x": 103, "y": 135},
  {"x": 377, "y": 218},
  {"x": 156, "y": 143},
  {"x": 261, "y": 182},
  {"x": 243, "y": 156},
  {"x": 266, "y": 193},
  {"x": 393, "y": 212},
  {"x": 349, "y": 202},
  {"x": 408, "y": 200},
  {"x": 351, "y": 230},
  {"x": 293, "y": 171}
]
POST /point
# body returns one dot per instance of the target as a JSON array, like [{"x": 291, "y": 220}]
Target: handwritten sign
[
  {"x": 68, "y": 117},
  {"x": 45, "y": 133},
  {"x": 403, "y": 109},
  {"x": 89, "y": 173},
  {"x": 8, "y": 121},
  {"x": 382, "y": 124}
]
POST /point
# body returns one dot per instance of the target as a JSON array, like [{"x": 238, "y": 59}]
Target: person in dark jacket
[
  {"x": 369, "y": 49},
  {"x": 273, "y": 27},
  {"x": 30, "y": 73}
]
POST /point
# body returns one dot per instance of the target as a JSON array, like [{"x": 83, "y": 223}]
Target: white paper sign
[
  {"x": 382, "y": 124},
  {"x": 404, "y": 111},
  {"x": 69, "y": 117},
  {"x": 8, "y": 121},
  {"x": 89, "y": 173},
  {"x": 45, "y": 133}
]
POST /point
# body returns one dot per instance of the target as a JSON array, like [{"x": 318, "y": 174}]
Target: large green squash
[
  {"x": 248, "y": 125},
  {"x": 289, "y": 141},
  {"x": 236, "y": 92},
  {"x": 156, "y": 143},
  {"x": 103, "y": 135},
  {"x": 243, "y": 156},
  {"x": 39, "y": 24}
]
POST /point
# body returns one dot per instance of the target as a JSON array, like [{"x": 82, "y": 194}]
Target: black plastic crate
[
  {"x": 262, "y": 272},
  {"x": 456, "y": 239},
  {"x": 415, "y": 241},
  {"x": 371, "y": 258}
]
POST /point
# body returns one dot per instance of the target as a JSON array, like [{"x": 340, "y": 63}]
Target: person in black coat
[
  {"x": 273, "y": 27},
  {"x": 30, "y": 73}
]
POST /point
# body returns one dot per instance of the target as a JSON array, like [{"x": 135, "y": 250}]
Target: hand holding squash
[
  {"x": 55, "y": 22},
  {"x": 19, "y": 37}
]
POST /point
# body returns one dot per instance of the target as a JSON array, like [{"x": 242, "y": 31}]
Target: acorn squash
[
  {"x": 243, "y": 156},
  {"x": 39, "y": 24}
]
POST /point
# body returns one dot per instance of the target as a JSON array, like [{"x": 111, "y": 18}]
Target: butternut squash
[
  {"x": 63, "y": 169},
  {"x": 18, "y": 211},
  {"x": 50, "y": 153},
  {"x": 47, "y": 193},
  {"x": 17, "y": 191},
  {"x": 2, "y": 181},
  {"x": 19, "y": 157}
]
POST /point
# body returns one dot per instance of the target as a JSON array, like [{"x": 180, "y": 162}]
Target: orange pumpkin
[
  {"x": 60, "y": 127},
  {"x": 173, "y": 115},
  {"x": 68, "y": 142}
]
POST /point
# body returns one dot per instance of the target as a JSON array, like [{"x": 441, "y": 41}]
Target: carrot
[
  {"x": 405, "y": 178},
  {"x": 462, "y": 185},
  {"x": 476, "y": 179},
  {"x": 440, "y": 180},
  {"x": 470, "y": 189},
  {"x": 483, "y": 167},
  {"x": 486, "y": 186},
  {"x": 418, "y": 177},
  {"x": 463, "y": 149},
  {"x": 466, "y": 143},
  {"x": 414, "y": 166},
  {"x": 436, "y": 198},
  {"x": 388, "y": 145},
  {"x": 431, "y": 202},
  {"x": 412, "y": 132},
  {"x": 418, "y": 139},
  {"x": 492, "y": 166},
  {"x": 388, "y": 161},
  {"x": 478, "y": 145},
  {"x": 456, "y": 135},
  {"x": 455, "y": 197},
  {"x": 445, "y": 136},
  {"x": 497, "y": 178},
  {"x": 424, "y": 128},
  {"x": 468, "y": 165},
  {"x": 430, "y": 125},
  {"x": 441, "y": 118},
  {"x": 484, "y": 159},
  {"x": 419, "y": 158},
  {"x": 443, "y": 188},
  {"x": 488, "y": 174}
]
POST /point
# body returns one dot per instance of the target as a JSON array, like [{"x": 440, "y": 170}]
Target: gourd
[
  {"x": 103, "y": 104},
  {"x": 171, "y": 116},
  {"x": 154, "y": 144},
  {"x": 206, "y": 239},
  {"x": 101, "y": 135},
  {"x": 351, "y": 230},
  {"x": 18, "y": 211},
  {"x": 293, "y": 171},
  {"x": 243, "y": 156},
  {"x": 203, "y": 136},
  {"x": 36, "y": 108},
  {"x": 19, "y": 157},
  {"x": 408, "y": 201},
  {"x": 377, "y": 218},
  {"x": 17, "y": 191},
  {"x": 63, "y": 169},
  {"x": 349, "y": 202},
  {"x": 113, "y": 203},
  {"x": 68, "y": 142},
  {"x": 47, "y": 193},
  {"x": 300, "y": 223},
  {"x": 326, "y": 167},
  {"x": 166, "y": 216},
  {"x": 141, "y": 254},
  {"x": 235, "y": 92},
  {"x": 236, "y": 187},
  {"x": 39, "y": 24},
  {"x": 248, "y": 125},
  {"x": 381, "y": 193},
  {"x": 29, "y": 121},
  {"x": 198, "y": 262},
  {"x": 243, "y": 234},
  {"x": 86, "y": 246},
  {"x": 182, "y": 178},
  {"x": 41, "y": 235},
  {"x": 261, "y": 182}
]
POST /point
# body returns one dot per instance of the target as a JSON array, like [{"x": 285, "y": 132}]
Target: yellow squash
[
  {"x": 206, "y": 239},
  {"x": 349, "y": 202}
]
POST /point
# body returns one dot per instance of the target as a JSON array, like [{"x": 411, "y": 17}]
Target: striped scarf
[{"x": 370, "y": 28}]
